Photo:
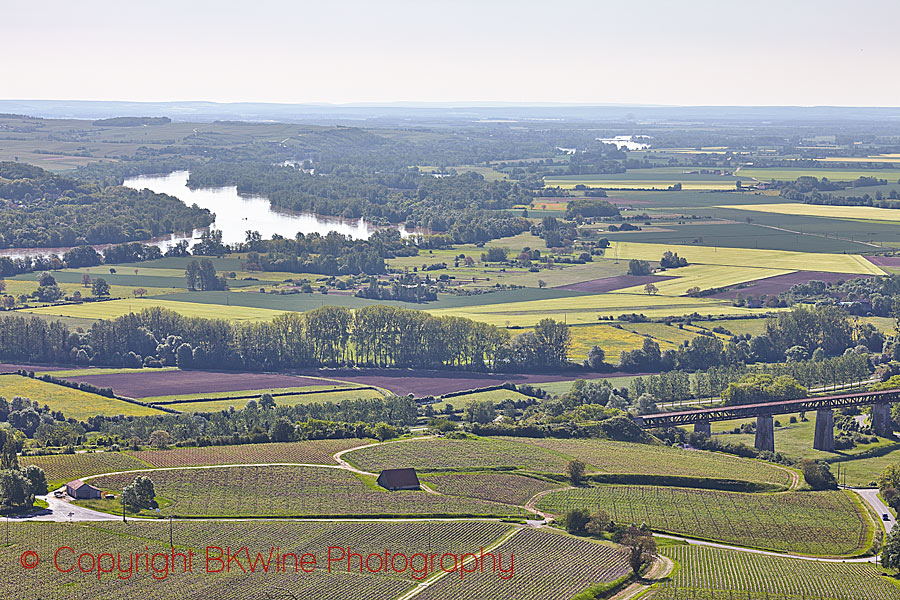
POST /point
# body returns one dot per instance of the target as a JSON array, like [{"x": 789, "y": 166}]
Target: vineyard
[
  {"x": 290, "y": 491},
  {"x": 496, "y": 487},
  {"x": 548, "y": 566},
  {"x": 714, "y": 574},
  {"x": 61, "y": 468},
  {"x": 307, "y": 452},
  {"x": 297, "y": 537},
  {"x": 440, "y": 453},
  {"x": 623, "y": 457},
  {"x": 817, "y": 523}
]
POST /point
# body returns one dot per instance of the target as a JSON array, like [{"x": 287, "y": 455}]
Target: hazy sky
[{"x": 696, "y": 52}]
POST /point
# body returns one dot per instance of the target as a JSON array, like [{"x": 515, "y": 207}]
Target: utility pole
[{"x": 123, "y": 506}]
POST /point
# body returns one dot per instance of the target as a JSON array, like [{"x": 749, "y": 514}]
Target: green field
[
  {"x": 557, "y": 388},
  {"x": 714, "y": 574},
  {"x": 815, "y": 523},
  {"x": 657, "y": 178},
  {"x": 612, "y": 339},
  {"x": 334, "y": 395},
  {"x": 74, "y": 404},
  {"x": 283, "y": 491},
  {"x": 859, "y": 466},
  {"x": 495, "y": 396},
  {"x": 788, "y": 174},
  {"x": 586, "y": 309}
]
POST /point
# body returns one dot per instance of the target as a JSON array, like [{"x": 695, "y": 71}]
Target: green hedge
[
  {"x": 708, "y": 483},
  {"x": 603, "y": 590}
]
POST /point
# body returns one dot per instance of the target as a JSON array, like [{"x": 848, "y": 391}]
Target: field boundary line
[
  {"x": 421, "y": 587},
  {"x": 228, "y": 466},
  {"x": 698, "y": 542}
]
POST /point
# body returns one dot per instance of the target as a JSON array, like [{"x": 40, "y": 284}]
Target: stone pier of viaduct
[{"x": 765, "y": 416}]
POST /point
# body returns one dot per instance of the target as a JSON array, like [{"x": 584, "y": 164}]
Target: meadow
[
  {"x": 656, "y": 178},
  {"x": 463, "y": 400},
  {"x": 285, "y": 491},
  {"x": 715, "y": 574},
  {"x": 858, "y": 466},
  {"x": 613, "y": 340},
  {"x": 728, "y": 228},
  {"x": 790, "y": 174},
  {"x": 336, "y": 396},
  {"x": 814, "y": 523},
  {"x": 74, "y": 404}
]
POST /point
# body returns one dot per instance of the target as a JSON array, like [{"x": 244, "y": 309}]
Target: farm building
[
  {"x": 399, "y": 479},
  {"x": 81, "y": 490}
]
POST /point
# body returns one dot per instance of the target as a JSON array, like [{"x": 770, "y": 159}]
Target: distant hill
[{"x": 132, "y": 121}]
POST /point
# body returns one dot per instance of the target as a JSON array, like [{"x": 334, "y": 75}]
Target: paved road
[
  {"x": 60, "y": 510},
  {"x": 870, "y": 495},
  {"x": 763, "y": 552}
]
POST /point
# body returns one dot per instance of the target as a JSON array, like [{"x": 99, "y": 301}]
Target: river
[{"x": 235, "y": 215}]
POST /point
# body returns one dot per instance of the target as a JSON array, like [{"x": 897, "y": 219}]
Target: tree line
[
  {"x": 465, "y": 207},
  {"x": 792, "y": 335},
  {"x": 707, "y": 383},
  {"x": 377, "y": 336}
]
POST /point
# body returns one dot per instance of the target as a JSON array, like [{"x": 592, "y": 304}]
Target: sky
[{"x": 674, "y": 52}]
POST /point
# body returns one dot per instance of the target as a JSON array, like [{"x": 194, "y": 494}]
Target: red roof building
[
  {"x": 82, "y": 491},
  {"x": 399, "y": 479}
]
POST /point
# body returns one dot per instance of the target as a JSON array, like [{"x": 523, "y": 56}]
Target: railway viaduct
[{"x": 765, "y": 412}]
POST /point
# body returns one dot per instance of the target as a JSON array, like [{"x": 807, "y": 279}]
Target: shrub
[
  {"x": 576, "y": 519},
  {"x": 575, "y": 471}
]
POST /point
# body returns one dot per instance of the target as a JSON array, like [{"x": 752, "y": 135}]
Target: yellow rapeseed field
[
  {"x": 864, "y": 213},
  {"x": 116, "y": 308},
  {"x": 749, "y": 257},
  {"x": 73, "y": 403},
  {"x": 705, "y": 277}
]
